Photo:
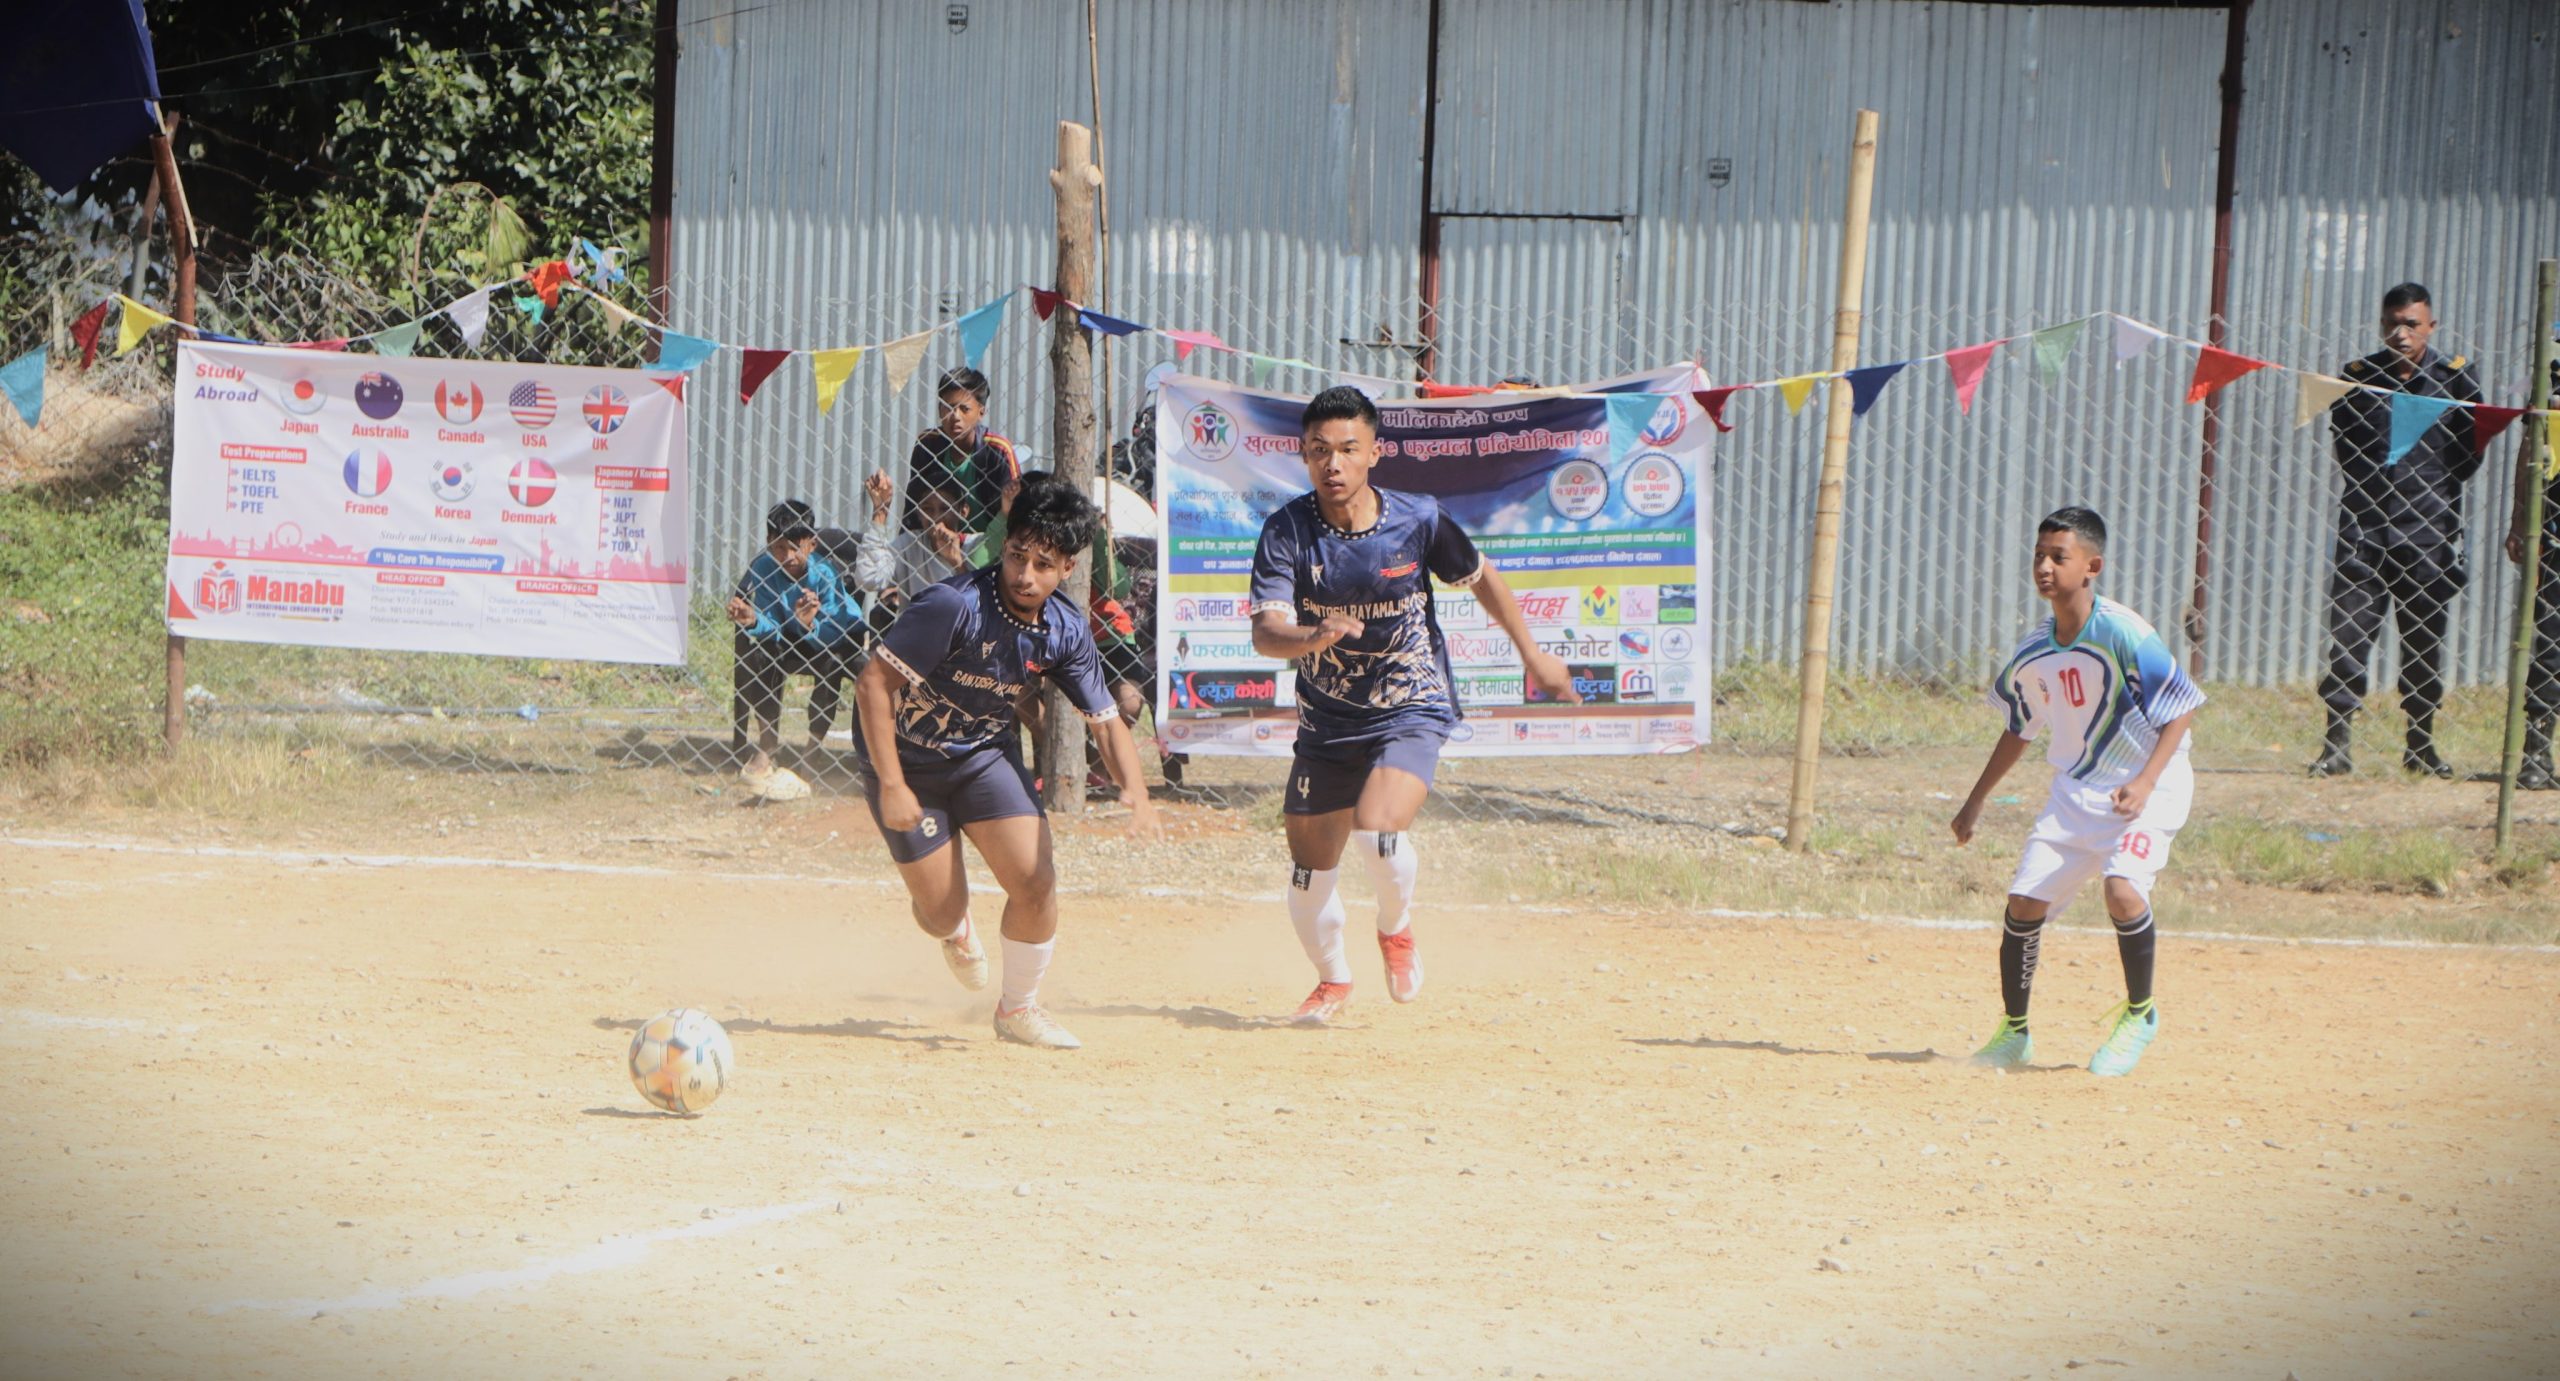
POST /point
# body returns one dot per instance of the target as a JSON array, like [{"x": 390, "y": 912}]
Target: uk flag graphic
[{"x": 605, "y": 410}]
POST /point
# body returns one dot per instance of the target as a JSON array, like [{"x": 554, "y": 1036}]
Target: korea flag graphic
[
  {"x": 451, "y": 481},
  {"x": 366, "y": 479},
  {"x": 532, "y": 482}
]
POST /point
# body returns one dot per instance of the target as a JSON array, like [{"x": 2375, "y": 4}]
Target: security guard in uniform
[
  {"x": 2399, "y": 545},
  {"x": 2542, "y": 678}
]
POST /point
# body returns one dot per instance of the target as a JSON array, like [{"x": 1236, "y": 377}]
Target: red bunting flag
[
  {"x": 755, "y": 369},
  {"x": 85, "y": 331},
  {"x": 1711, "y": 402},
  {"x": 1045, "y": 302},
  {"x": 1452, "y": 390},
  {"x": 2214, "y": 368},
  {"x": 547, "y": 279},
  {"x": 1966, "y": 366},
  {"x": 337, "y": 344},
  {"x": 2487, "y": 422}
]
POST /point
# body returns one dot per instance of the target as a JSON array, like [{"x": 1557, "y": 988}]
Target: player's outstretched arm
[
  {"x": 873, "y": 693},
  {"x": 1546, "y": 670},
  {"x": 2004, "y": 755},
  {"x": 1120, "y": 759},
  {"x": 2131, "y": 797},
  {"x": 1277, "y": 637}
]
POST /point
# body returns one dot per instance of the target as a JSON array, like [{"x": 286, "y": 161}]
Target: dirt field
[{"x": 278, "y": 1115}]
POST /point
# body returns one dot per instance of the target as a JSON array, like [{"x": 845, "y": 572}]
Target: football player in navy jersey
[
  {"x": 1342, "y": 588},
  {"x": 942, "y": 750}
]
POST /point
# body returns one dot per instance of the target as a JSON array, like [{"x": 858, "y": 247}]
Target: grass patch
[{"x": 2275, "y": 854}]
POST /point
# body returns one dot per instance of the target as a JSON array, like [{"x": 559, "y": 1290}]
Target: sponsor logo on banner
[
  {"x": 1574, "y": 645},
  {"x": 1600, "y": 605},
  {"x": 1678, "y": 644},
  {"x": 1604, "y": 731},
  {"x": 1209, "y": 650},
  {"x": 218, "y": 590},
  {"x": 458, "y": 404},
  {"x": 1636, "y": 645},
  {"x": 1681, "y": 729},
  {"x": 532, "y": 405},
  {"x": 605, "y": 409},
  {"x": 1224, "y": 690},
  {"x": 1540, "y": 731},
  {"x": 1635, "y": 683},
  {"x": 1597, "y": 684},
  {"x": 1196, "y": 610},
  {"x": 367, "y": 479},
  {"x": 1264, "y": 730},
  {"x": 1491, "y": 690},
  {"x": 1679, "y": 604},
  {"x": 1669, "y": 420},
  {"x": 451, "y": 481},
  {"x": 378, "y": 396},
  {"x": 1654, "y": 485},
  {"x": 1211, "y": 432},
  {"x": 1481, "y": 649},
  {"x": 532, "y": 482},
  {"x": 1542, "y": 606},
  {"x": 1678, "y": 681},
  {"x": 301, "y": 396},
  {"x": 1577, "y": 489},
  {"x": 1457, "y": 611},
  {"x": 294, "y": 599},
  {"x": 1639, "y": 604}
]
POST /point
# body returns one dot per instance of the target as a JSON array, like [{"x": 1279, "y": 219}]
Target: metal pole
[
  {"x": 2226, "y": 178},
  {"x": 2533, "y": 464},
  {"x": 182, "y": 253},
  {"x": 1816, "y": 666},
  {"x": 1071, "y": 437}
]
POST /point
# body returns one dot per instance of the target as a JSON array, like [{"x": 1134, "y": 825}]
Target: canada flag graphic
[{"x": 458, "y": 403}]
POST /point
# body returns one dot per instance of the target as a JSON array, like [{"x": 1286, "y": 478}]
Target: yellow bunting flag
[
  {"x": 831, "y": 367},
  {"x": 136, "y": 322},
  {"x": 2315, "y": 393},
  {"x": 902, "y": 357},
  {"x": 1797, "y": 389}
]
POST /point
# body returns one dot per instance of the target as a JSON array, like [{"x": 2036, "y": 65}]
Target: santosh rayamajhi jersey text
[
  {"x": 1397, "y": 670},
  {"x": 965, "y": 660},
  {"x": 2100, "y": 701}
]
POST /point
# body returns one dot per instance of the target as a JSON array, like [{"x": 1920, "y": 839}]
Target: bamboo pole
[
  {"x": 1815, "y": 669},
  {"x": 2533, "y": 464},
  {"x": 1075, "y": 181},
  {"x": 182, "y": 255}
]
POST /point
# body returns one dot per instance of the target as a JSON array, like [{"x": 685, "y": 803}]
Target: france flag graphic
[{"x": 368, "y": 478}]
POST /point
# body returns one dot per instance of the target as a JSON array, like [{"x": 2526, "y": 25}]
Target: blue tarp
[{"x": 78, "y": 85}]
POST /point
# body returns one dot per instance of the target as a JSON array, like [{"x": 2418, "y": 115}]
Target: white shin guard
[
  {"x": 1392, "y": 868},
  {"x": 1315, "y": 908}
]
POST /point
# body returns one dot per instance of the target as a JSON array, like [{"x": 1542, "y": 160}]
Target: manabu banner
[
  {"x": 1592, "y": 505},
  {"x": 427, "y": 505}
]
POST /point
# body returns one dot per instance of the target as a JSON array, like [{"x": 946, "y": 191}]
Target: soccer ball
[{"x": 680, "y": 1060}]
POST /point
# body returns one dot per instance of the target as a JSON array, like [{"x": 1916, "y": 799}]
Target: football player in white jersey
[{"x": 2114, "y": 708}]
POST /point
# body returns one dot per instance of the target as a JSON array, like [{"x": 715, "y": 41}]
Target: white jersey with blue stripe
[{"x": 2100, "y": 700}]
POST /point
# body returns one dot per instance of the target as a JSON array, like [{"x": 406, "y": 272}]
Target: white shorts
[{"x": 2079, "y": 836}]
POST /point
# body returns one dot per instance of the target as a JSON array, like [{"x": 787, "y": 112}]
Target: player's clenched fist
[
  {"x": 1334, "y": 629},
  {"x": 899, "y": 808},
  {"x": 1549, "y": 674}
]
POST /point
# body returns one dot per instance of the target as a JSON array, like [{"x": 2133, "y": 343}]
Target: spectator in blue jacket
[{"x": 794, "y": 614}]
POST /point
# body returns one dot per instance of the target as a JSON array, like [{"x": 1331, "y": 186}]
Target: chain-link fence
[{"x": 1934, "y": 585}]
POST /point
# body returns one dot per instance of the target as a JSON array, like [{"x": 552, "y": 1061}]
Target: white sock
[
  {"x": 1392, "y": 868},
  {"x": 1316, "y": 910},
  {"x": 1023, "y": 965},
  {"x": 959, "y": 934}
]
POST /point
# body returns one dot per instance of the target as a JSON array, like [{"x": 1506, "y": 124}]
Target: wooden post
[
  {"x": 2533, "y": 466},
  {"x": 182, "y": 256},
  {"x": 1815, "y": 669},
  {"x": 1071, "y": 431}
]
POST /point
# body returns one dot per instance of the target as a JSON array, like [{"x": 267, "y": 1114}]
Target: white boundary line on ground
[
  {"x": 613, "y": 1253},
  {"x": 535, "y": 865}
]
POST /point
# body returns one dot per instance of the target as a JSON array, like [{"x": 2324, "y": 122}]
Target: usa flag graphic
[{"x": 533, "y": 405}]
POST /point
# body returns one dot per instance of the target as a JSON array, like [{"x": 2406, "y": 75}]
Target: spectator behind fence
[
  {"x": 969, "y": 466},
  {"x": 929, "y": 547},
  {"x": 2542, "y": 677},
  {"x": 2399, "y": 545},
  {"x": 793, "y": 614}
]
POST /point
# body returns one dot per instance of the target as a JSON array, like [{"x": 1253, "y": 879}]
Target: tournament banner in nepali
[
  {"x": 1592, "y": 507},
  {"x": 517, "y": 510}
]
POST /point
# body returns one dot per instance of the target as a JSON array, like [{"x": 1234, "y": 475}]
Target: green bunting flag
[{"x": 2054, "y": 344}]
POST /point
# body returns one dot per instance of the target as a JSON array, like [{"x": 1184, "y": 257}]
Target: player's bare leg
[
  {"x": 938, "y": 894},
  {"x": 1017, "y": 849},
  {"x": 1381, "y": 826},
  {"x": 1315, "y": 908}
]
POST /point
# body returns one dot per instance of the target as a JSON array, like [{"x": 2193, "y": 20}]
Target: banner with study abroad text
[
  {"x": 1593, "y": 507},
  {"x": 517, "y": 510}
]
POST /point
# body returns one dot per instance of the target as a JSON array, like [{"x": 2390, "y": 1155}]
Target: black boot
[
  {"x": 2536, "y": 773},
  {"x": 2421, "y": 757},
  {"x": 2334, "y": 760}
]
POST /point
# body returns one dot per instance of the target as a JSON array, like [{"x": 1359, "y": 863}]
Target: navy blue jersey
[
  {"x": 1397, "y": 671},
  {"x": 966, "y": 660}
]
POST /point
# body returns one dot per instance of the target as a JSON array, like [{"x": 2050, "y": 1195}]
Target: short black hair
[
  {"x": 1340, "y": 403},
  {"x": 2083, "y": 523},
  {"x": 2406, "y": 295},
  {"x": 1050, "y": 511},
  {"x": 789, "y": 521},
  {"x": 968, "y": 381}
]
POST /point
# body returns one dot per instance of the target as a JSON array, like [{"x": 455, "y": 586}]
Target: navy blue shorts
[
  {"x": 1327, "y": 775},
  {"x": 989, "y": 784}
]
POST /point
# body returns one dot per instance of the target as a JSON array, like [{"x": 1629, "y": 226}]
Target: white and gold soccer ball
[{"x": 680, "y": 1060}]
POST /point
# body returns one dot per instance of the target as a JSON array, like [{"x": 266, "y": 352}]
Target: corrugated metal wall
[{"x": 1622, "y": 183}]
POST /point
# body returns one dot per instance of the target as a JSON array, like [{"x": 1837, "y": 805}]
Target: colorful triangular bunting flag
[
  {"x": 22, "y": 379},
  {"x": 2054, "y": 344},
  {"x": 2132, "y": 338},
  {"x": 1966, "y": 366},
  {"x": 1712, "y": 402},
  {"x": 470, "y": 315},
  {"x": 755, "y": 369},
  {"x": 679, "y": 353},
  {"x": 1184, "y": 342},
  {"x": 1045, "y": 302},
  {"x": 1092, "y": 320},
  {"x": 136, "y": 322},
  {"x": 1867, "y": 384},
  {"x": 84, "y": 332},
  {"x": 902, "y": 356},
  {"x": 1797, "y": 389},
  {"x": 978, "y": 330},
  {"x": 831, "y": 367},
  {"x": 2215, "y": 368},
  {"x": 1258, "y": 370},
  {"x": 2487, "y": 422},
  {"x": 2411, "y": 415},
  {"x": 398, "y": 340},
  {"x": 2313, "y": 393},
  {"x": 1629, "y": 415}
]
